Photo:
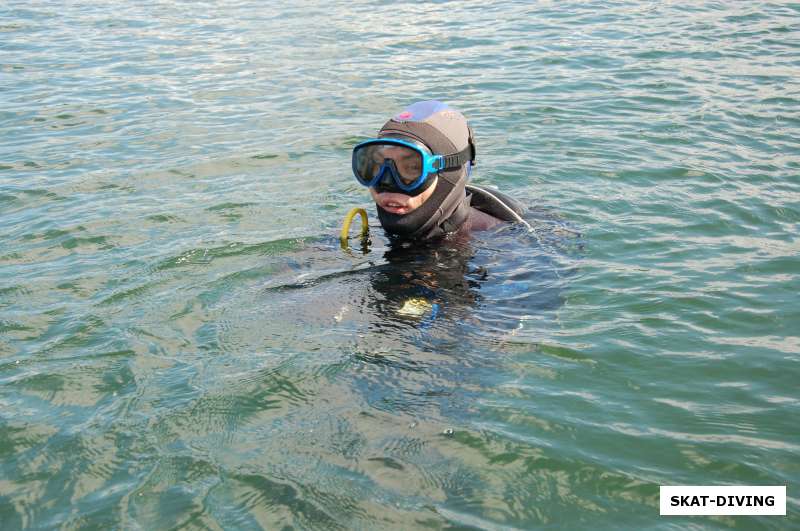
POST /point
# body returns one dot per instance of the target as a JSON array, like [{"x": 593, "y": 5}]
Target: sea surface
[{"x": 185, "y": 345}]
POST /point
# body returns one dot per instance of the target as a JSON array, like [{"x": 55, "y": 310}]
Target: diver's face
[{"x": 399, "y": 203}]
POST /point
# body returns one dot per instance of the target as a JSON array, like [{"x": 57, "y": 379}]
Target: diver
[{"x": 417, "y": 170}]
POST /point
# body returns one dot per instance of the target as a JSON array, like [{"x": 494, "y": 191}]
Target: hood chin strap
[{"x": 443, "y": 212}]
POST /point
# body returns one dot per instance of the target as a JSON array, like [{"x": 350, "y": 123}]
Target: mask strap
[{"x": 456, "y": 160}]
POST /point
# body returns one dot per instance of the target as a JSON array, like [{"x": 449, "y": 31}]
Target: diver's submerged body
[{"x": 416, "y": 171}]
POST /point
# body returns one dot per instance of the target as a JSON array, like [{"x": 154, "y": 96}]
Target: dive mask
[{"x": 394, "y": 164}]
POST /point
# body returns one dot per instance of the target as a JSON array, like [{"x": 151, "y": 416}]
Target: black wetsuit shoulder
[{"x": 495, "y": 203}]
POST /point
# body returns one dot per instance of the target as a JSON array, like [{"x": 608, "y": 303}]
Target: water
[{"x": 183, "y": 343}]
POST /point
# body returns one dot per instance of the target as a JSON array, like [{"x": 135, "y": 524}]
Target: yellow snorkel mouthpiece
[{"x": 348, "y": 219}]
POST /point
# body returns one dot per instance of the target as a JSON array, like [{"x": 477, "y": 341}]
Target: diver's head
[{"x": 416, "y": 170}]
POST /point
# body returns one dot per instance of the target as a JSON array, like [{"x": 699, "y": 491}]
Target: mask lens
[
  {"x": 364, "y": 165},
  {"x": 407, "y": 161}
]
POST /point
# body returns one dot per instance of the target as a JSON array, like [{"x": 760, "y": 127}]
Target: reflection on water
[{"x": 355, "y": 383}]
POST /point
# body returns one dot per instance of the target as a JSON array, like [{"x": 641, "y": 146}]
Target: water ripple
[{"x": 183, "y": 343}]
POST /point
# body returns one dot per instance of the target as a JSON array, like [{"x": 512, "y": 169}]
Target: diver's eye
[{"x": 410, "y": 168}]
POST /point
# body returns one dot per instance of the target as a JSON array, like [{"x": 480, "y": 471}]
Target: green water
[{"x": 184, "y": 345}]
